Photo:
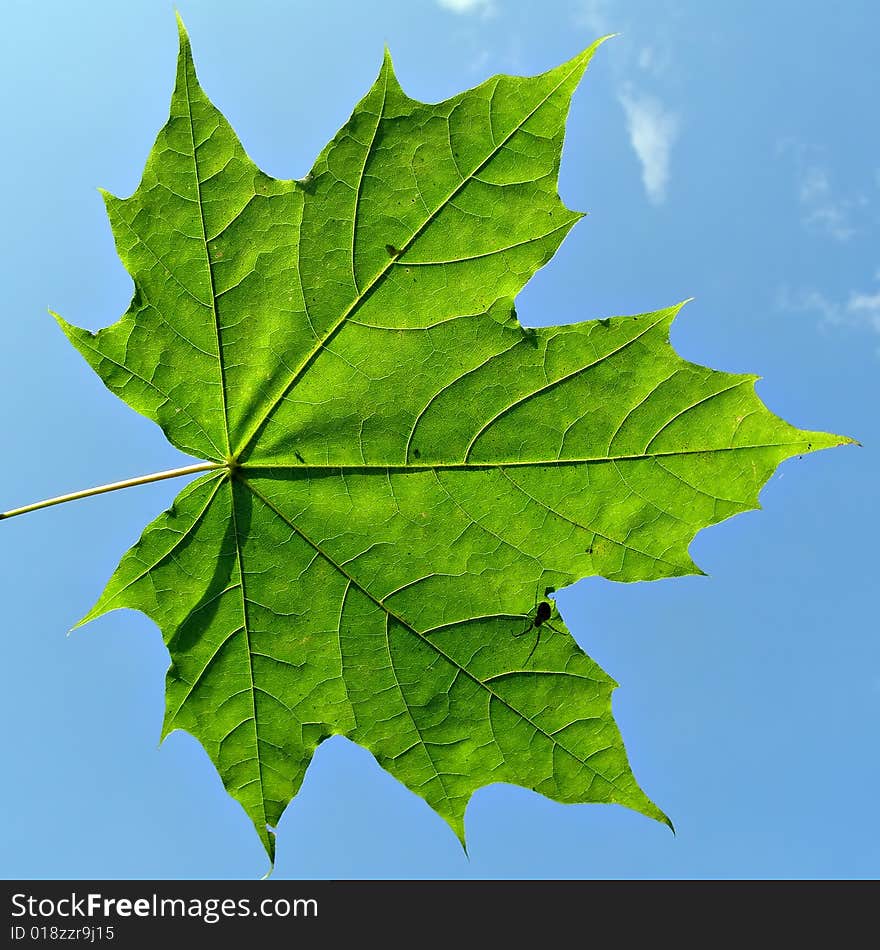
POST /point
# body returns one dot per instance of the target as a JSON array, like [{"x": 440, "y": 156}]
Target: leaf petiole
[{"x": 114, "y": 486}]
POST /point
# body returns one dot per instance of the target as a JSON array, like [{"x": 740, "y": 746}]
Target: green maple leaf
[{"x": 396, "y": 473}]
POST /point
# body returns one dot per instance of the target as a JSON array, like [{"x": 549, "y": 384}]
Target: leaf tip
[
  {"x": 455, "y": 820},
  {"x": 671, "y": 313},
  {"x": 167, "y": 726},
  {"x": 93, "y": 614},
  {"x": 817, "y": 441},
  {"x": 59, "y": 319},
  {"x": 109, "y": 199},
  {"x": 184, "y": 50},
  {"x": 587, "y": 54},
  {"x": 68, "y": 329},
  {"x": 676, "y": 308},
  {"x": 646, "y": 807},
  {"x": 657, "y": 813},
  {"x": 462, "y": 840},
  {"x": 268, "y": 839},
  {"x": 181, "y": 28},
  {"x": 269, "y": 845},
  {"x": 573, "y": 70},
  {"x": 387, "y": 75}
]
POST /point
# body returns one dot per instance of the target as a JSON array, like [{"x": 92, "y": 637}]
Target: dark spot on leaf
[
  {"x": 392, "y": 250},
  {"x": 417, "y": 453},
  {"x": 606, "y": 322},
  {"x": 530, "y": 336},
  {"x": 299, "y": 457}
]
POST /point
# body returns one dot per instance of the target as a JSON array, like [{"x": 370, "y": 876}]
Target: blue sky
[{"x": 728, "y": 152}]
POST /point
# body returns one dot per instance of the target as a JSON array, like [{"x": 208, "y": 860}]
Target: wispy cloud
[
  {"x": 859, "y": 309},
  {"x": 484, "y": 7},
  {"x": 825, "y": 211},
  {"x": 841, "y": 218},
  {"x": 653, "y": 130},
  {"x": 652, "y": 125},
  {"x": 865, "y": 307}
]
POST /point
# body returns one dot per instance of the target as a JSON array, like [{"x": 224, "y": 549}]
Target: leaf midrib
[
  {"x": 334, "y": 468},
  {"x": 245, "y": 628},
  {"x": 214, "y": 314}
]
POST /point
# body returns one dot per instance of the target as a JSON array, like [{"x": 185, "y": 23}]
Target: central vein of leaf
[{"x": 221, "y": 367}]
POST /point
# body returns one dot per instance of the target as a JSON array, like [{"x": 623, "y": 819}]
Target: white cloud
[
  {"x": 859, "y": 310},
  {"x": 823, "y": 211},
  {"x": 653, "y": 130},
  {"x": 866, "y": 307},
  {"x": 469, "y": 6}
]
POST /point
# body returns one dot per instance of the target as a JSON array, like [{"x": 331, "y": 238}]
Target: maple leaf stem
[{"x": 114, "y": 486}]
